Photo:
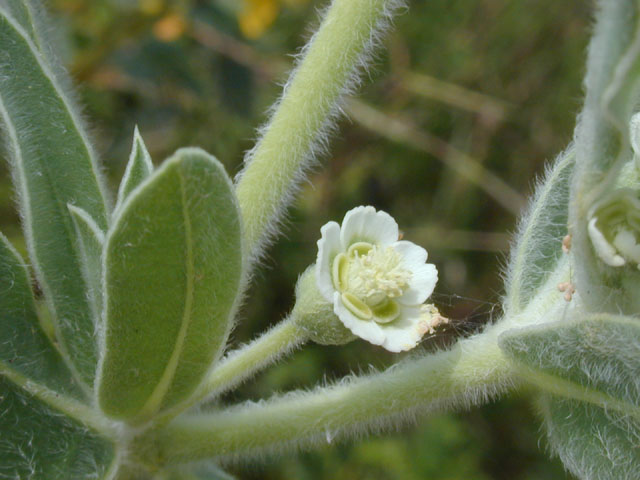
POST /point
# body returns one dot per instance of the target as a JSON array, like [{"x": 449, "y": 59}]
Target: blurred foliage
[{"x": 492, "y": 82}]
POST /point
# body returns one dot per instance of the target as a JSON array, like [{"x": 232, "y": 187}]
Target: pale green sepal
[
  {"x": 52, "y": 164},
  {"x": 314, "y": 315},
  {"x": 138, "y": 168},
  {"x": 90, "y": 243},
  {"x": 595, "y": 359},
  {"x": 25, "y": 347},
  {"x": 540, "y": 232},
  {"x": 172, "y": 269},
  {"x": 39, "y": 442},
  {"x": 592, "y": 442}
]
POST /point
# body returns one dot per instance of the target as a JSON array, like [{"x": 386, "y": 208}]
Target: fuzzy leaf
[
  {"x": 53, "y": 165},
  {"x": 138, "y": 169},
  {"x": 539, "y": 241},
  {"x": 38, "y": 442},
  {"x": 206, "y": 471},
  {"x": 22, "y": 12},
  {"x": 602, "y": 147},
  {"x": 590, "y": 366},
  {"x": 90, "y": 242},
  {"x": 596, "y": 358},
  {"x": 23, "y": 346},
  {"x": 593, "y": 443},
  {"x": 173, "y": 267}
]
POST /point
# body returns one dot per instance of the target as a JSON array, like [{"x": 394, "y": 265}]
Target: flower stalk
[
  {"x": 298, "y": 128},
  {"x": 470, "y": 373}
]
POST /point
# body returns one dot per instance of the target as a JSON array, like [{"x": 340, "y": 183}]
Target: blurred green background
[{"x": 458, "y": 114}]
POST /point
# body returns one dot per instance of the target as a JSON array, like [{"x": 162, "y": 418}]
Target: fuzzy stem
[
  {"x": 245, "y": 362},
  {"x": 471, "y": 372},
  {"x": 301, "y": 119}
]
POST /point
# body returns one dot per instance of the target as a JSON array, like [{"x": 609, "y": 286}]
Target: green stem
[
  {"x": 471, "y": 372},
  {"x": 300, "y": 122},
  {"x": 245, "y": 362}
]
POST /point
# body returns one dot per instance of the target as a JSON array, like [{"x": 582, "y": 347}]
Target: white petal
[
  {"x": 405, "y": 333},
  {"x": 423, "y": 276},
  {"x": 626, "y": 243},
  {"x": 411, "y": 253},
  {"x": 603, "y": 248},
  {"x": 423, "y": 281},
  {"x": 366, "y": 329},
  {"x": 328, "y": 247},
  {"x": 634, "y": 134},
  {"x": 364, "y": 224}
]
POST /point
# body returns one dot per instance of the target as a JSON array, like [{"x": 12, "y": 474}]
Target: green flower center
[{"x": 369, "y": 278}]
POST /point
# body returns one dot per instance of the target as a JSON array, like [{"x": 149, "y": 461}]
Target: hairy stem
[
  {"x": 299, "y": 124},
  {"x": 470, "y": 373}
]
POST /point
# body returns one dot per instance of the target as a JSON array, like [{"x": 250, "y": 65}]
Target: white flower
[
  {"x": 377, "y": 283},
  {"x": 613, "y": 227}
]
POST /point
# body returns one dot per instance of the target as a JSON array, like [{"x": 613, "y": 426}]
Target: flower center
[{"x": 369, "y": 278}]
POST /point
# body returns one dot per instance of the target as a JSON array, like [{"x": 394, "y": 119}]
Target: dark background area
[{"x": 458, "y": 115}]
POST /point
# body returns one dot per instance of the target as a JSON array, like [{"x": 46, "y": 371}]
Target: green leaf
[
  {"x": 22, "y": 12},
  {"x": 53, "y": 165},
  {"x": 539, "y": 241},
  {"x": 173, "y": 261},
  {"x": 591, "y": 367},
  {"x": 138, "y": 169},
  {"x": 201, "y": 471},
  {"x": 602, "y": 147},
  {"x": 90, "y": 242},
  {"x": 595, "y": 359},
  {"x": 25, "y": 348},
  {"x": 39, "y": 443},
  {"x": 592, "y": 442}
]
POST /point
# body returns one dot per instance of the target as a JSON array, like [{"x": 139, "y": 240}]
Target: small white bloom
[
  {"x": 376, "y": 283},
  {"x": 613, "y": 227}
]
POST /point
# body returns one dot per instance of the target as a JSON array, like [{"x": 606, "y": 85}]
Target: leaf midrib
[
  {"x": 155, "y": 400},
  {"x": 566, "y": 388}
]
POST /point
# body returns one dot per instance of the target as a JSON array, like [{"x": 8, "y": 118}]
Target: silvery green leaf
[
  {"x": 202, "y": 471},
  {"x": 173, "y": 261},
  {"x": 594, "y": 443},
  {"x": 602, "y": 146},
  {"x": 538, "y": 245},
  {"x": 25, "y": 348},
  {"x": 39, "y": 443},
  {"x": 138, "y": 168},
  {"x": 53, "y": 164},
  {"x": 90, "y": 241},
  {"x": 590, "y": 365},
  {"x": 596, "y": 357}
]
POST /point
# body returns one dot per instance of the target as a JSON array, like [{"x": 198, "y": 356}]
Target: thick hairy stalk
[
  {"x": 298, "y": 128},
  {"x": 472, "y": 372},
  {"x": 241, "y": 364}
]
